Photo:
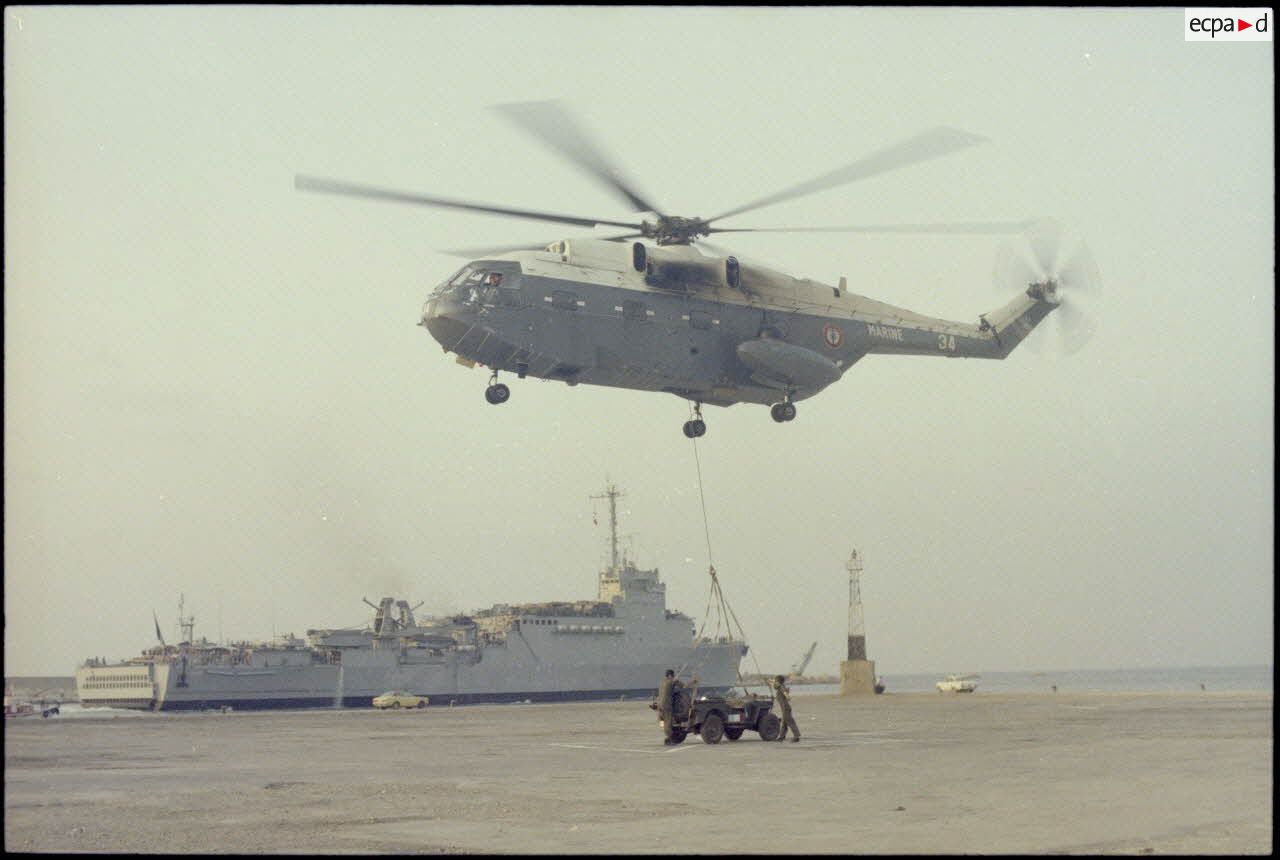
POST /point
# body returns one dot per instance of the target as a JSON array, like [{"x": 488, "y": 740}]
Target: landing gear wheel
[
  {"x": 785, "y": 411},
  {"x": 712, "y": 729},
  {"x": 497, "y": 393},
  {"x": 733, "y": 734},
  {"x": 769, "y": 728}
]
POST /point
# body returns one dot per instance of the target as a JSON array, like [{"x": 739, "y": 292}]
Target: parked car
[{"x": 396, "y": 699}]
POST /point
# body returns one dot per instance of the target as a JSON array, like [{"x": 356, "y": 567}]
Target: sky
[{"x": 216, "y": 390}]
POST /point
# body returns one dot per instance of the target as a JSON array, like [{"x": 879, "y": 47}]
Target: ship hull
[
  {"x": 490, "y": 675},
  {"x": 496, "y": 675},
  {"x": 210, "y": 701}
]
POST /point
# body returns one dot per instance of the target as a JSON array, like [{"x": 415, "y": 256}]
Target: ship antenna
[
  {"x": 186, "y": 624},
  {"x": 612, "y": 493}
]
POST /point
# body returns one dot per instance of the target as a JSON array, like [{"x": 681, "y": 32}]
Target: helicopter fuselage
[
  {"x": 710, "y": 329},
  {"x": 707, "y": 329}
]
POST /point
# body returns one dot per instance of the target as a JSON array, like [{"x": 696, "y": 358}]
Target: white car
[
  {"x": 396, "y": 699},
  {"x": 958, "y": 684}
]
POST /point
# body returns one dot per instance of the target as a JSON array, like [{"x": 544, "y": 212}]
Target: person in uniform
[
  {"x": 783, "y": 701},
  {"x": 666, "y": 696}
]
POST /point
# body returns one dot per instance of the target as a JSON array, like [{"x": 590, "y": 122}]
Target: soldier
[
  {"x": 666, "y": 695},
  {"x": 783, "y": 701}
]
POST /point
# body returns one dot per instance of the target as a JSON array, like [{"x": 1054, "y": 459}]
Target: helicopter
[{"x": 649, "y": 310}]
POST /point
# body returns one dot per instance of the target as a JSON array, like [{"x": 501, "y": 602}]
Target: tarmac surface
[{"x": 1150, "y": 773}]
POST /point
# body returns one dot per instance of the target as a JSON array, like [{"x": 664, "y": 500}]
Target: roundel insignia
[{"x": 832, "y": 335}]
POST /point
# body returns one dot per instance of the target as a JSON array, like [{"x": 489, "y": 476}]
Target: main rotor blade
[
  {"x": 335, "y": 186},
  {"x": 972, "y": 228},
  {"x": 486, "y": 250},
  {"x": 929, "y": 144},
  {"x": 478, "y": 252},
  {"x": 554, "y": 126}
]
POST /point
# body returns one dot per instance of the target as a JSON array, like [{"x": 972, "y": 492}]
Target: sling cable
[{"x": 725, "y": 619}]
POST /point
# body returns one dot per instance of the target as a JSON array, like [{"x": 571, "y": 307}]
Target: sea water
[{"x": 1217, "y": 679}]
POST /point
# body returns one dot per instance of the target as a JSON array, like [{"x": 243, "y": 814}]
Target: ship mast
[
  {"x": 612, "y": 493},
  {"x": 186, "y": 624}
]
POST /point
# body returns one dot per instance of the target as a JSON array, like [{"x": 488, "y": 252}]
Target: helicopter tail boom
[
  {"x": 995, "y": 336},
  {"x": 1011, "y": 323},
  {"x": 1048, "y": 276}
]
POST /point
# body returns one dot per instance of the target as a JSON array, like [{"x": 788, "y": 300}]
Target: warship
[{"x": 617, "y": 645}]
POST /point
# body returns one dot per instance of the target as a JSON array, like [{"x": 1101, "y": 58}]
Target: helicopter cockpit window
[
  {"x": 450, "y": 281},
  {"x": 471, "y": 284},
  {"x": 477, "y": 285}
]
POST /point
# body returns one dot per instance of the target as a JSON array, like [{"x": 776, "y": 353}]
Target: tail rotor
[{"x": 1064, "y": 273}]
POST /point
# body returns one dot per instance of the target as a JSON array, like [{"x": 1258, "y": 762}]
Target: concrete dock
[{"x": 900, "y": 773}]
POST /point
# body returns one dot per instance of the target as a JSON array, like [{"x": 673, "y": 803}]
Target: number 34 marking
[{"x": 947, "y": 342}]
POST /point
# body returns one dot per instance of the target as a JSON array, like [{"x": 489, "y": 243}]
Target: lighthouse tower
[{"x": 857, "y": 673}]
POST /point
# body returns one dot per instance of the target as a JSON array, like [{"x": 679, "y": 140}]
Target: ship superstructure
[{"x": 616, "y": 645}]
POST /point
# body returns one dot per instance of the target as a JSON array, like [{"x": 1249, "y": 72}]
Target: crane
[{"x": 798, "y": 669}]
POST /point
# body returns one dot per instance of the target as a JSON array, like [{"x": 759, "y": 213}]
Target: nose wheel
[
  {"x": 496, "y": 393},
  {"x": 695, "y": 427},
  {"x": 784, "y": 411}
]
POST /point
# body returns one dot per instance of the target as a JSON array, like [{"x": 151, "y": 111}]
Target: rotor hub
[
  {"x": 1046, "y": 291},
  {"x": 675, "y": 230}
]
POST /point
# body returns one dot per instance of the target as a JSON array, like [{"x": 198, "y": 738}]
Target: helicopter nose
[{"x": 442, "y": 317}]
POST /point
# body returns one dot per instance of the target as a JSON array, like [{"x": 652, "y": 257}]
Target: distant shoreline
[{"x": 1208, "y": 679}]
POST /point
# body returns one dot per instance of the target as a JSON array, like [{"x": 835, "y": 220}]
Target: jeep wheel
[
  {"x": 421, "y": 704},
  {"x": 678, "y": 736},
  {"x": 395, "y": 706},
  {"x": 712, "y": 729},
  {"x": 769, "y": 727},
  {"x": 733, "y": 734}
]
